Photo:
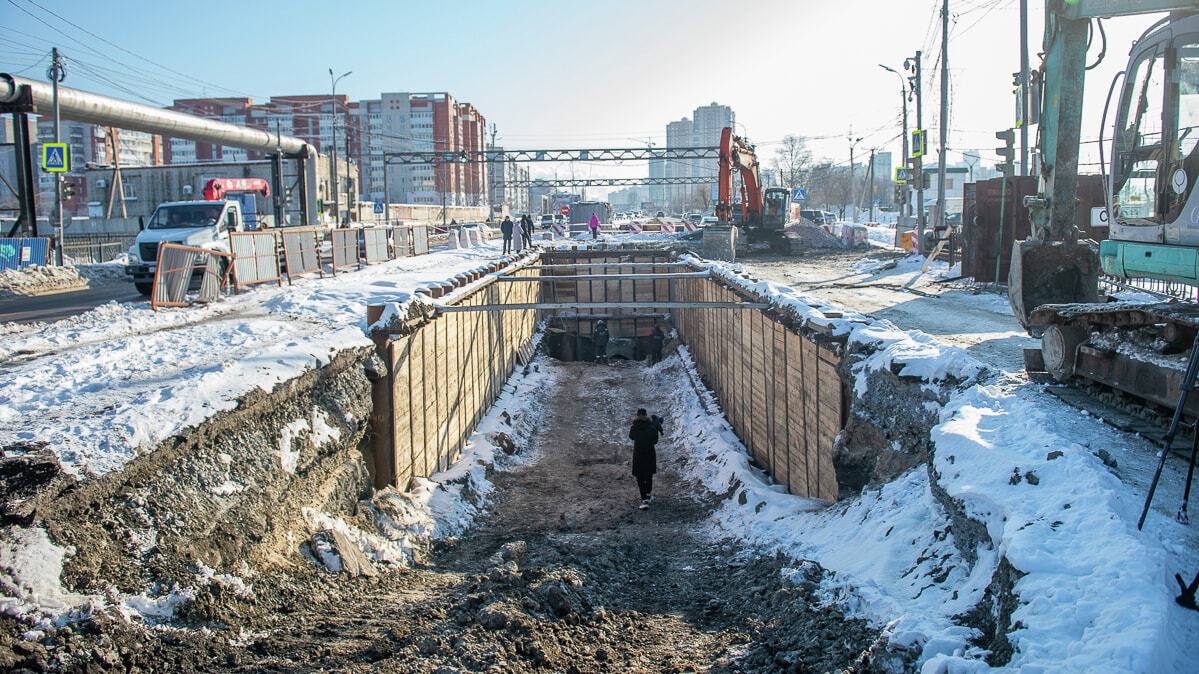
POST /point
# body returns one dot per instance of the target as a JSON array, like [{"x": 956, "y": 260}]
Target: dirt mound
[{"x": 812, "y": 236}]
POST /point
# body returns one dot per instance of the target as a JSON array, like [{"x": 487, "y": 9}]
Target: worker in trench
[
  {"x": 599, "y": 337},
  {"x": 656, "y": 339},
  {"x": 644, "y": 433}
]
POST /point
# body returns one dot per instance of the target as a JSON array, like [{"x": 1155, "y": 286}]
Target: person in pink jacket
[{"x": 594, "y": 225}]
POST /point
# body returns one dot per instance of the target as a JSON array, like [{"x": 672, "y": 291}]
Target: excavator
[
  {"x": 763, "y": 213},
  {"x": 1131, "y": 354}
]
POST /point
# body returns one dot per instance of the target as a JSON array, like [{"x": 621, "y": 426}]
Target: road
[
  {"x": 58, "y": 305},
  {"x": 981, "y": 324}
]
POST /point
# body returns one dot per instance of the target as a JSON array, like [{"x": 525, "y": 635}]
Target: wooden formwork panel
[
  {"x": 416, "y": 400},
  {"x": 401, "y": 427}
]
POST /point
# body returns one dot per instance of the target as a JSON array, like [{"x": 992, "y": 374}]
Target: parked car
[
  {"x": 813, "y": 216},
  {"x": 547, "y": 220},
  {"x": 660, "y": 214},
  {"x": 709, "y": 220}
]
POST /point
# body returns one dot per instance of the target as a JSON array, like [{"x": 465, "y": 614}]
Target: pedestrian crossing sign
[{"x": 54, "y": 157}]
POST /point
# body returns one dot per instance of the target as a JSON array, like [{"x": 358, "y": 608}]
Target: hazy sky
[{"x": 572, "y": 74}]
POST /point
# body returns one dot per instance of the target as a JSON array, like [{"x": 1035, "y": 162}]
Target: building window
[
  {"x": 949, "y": 183},
  {"x": 127, "y": 190}
]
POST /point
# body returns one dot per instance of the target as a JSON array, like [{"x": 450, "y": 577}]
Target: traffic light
[
  {"x": 900, "y": 192},
  {"x": 68, "y": 189},
  {"x": 1008, "y": 152}
]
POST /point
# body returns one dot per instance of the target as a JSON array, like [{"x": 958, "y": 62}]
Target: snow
[
  {"x": 30, "y": 567},
  {"x": 100, "y": 387}
]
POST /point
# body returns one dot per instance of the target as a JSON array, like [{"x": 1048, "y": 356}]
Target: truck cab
[{"x": 203, "y": 224}]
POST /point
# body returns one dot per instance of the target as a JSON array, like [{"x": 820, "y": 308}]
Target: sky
[{"x": 576, "y": 74}]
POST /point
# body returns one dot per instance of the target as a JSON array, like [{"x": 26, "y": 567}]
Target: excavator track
[{"x": 1129, "y": 356}]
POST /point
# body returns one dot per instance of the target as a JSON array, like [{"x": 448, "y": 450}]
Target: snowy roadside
[
  {"x": 38, "y": 280},
  {"x": 1095, "y": 595},
  {"x": 99, "y": 387}
]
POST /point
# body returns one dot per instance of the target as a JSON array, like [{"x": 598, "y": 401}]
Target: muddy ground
[{"x": 564, "y": 574}]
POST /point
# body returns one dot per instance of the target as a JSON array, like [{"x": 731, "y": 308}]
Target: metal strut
[{"x": 1187, "y": 385}]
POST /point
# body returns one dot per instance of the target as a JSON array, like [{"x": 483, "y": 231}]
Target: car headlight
[{"x": 133, "y": 256}]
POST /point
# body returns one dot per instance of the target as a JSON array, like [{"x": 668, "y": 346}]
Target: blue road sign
[
  {"x": 378, "y": 207},
  {"x": 54, "y": 157},
  {"x": 799, "y": 195}
]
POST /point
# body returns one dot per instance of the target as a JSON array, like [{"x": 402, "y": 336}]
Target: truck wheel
[{"x": 144, "y": 288}]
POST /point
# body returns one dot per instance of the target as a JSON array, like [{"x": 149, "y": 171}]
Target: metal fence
[
  {"x": 24, "y": 252},
  {"x": 255, "y": 258},
  {"x": 1163, "y": 290}
]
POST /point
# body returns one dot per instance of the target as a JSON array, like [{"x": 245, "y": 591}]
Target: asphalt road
[{"x": 56, "y": 306}]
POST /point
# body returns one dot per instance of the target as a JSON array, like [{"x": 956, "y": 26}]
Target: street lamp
[
  {"x": 903, "y": 104},
  {"x": 333, "y": 102}
]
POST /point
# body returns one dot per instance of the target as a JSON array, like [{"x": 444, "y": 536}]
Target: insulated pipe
[{"x": 83, "y": 106}]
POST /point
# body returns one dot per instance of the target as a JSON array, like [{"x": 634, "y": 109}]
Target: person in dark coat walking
[
  {"x": 656, "y": 339},
  {"x": 599, "y": 336},
  {"x": 526, "y": 230},
  {"x": 506, "y": 230},
  {"x": 644, "y": 434}
]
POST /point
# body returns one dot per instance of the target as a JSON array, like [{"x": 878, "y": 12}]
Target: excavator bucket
[{"x": 1051, "y": 273}]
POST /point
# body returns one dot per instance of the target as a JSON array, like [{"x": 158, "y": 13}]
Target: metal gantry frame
[
  {"x": 589, "y": 154},
  {"x": 607, "y": 182}
]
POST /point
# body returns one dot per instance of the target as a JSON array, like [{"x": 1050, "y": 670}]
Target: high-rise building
[
  {"x": 679, "y": 134},
  {"x": 657, "y": 193},
  {"x": 707, "y": 124}
]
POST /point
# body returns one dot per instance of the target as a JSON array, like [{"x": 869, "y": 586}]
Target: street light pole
[
  {"x": 57, "y": 73},
  {"x": 333, "y": 103},
  {"x": 903, "y": 105}
]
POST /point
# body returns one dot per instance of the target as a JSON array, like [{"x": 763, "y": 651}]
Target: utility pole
[
  {"x": 58, "y": 73},
  {"x": 853, "y": 175},
  {"x": 494, "y": 201},
  {"x": 940, "y": 224},
  {"x": 1024, "y": 88},
  {"x": 870, "y": 185},
  {"x": 903, "y": 105},
  {"x": 333, "y": 103},
  {"x": 914, "y": 65}
]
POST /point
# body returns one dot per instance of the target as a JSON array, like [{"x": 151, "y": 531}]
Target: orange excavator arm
[{"x": 736, "y": 154}]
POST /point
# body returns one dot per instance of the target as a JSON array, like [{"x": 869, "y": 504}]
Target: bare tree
[{"x": 793, "y": 162}]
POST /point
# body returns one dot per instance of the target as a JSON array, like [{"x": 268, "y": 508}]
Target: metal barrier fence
[
  {"x": 345, "y": 248},
  {"x": 92, "y": 253},
  {"x": 401, "y": 241},
  {"x": 375, "y": 248},
  {"x": 420, "y": 239},
  {"x": 24, "y": 252},
  {"x": 301, "y": 253},
  {"x": 255, "y": 258},
  {"x": 178, "y": 266},
  {"x": 1165, "y": 290}
]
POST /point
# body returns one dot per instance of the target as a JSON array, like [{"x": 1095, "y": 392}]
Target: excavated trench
[{"x": 560, "y": 572}]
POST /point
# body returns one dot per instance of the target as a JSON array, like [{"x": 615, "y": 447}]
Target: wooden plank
[
  {"x": 432, "y": 420},
  {"x": 416, "y": 375},
  {"x": 401, "y": 426}
]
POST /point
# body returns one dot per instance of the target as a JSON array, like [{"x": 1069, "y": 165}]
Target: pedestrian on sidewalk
[
  {"x": 656, "y": 339},
  {"x": 594, "y": 225},
  {"x": 599, "y": 337},
  {"x": 644, "y": 434},
  {"x": 526, "y": 230},
  {"x": 506, "y": 230}
]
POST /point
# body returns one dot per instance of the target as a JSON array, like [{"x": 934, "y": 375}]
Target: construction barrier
[
  {"x": 420, "y": 239},
  {"x": 345, "y": 248},
  {"x": 854, "y": 235},
  {"x": 690, "y": 226},
  {"x": 301, "y": 253},
  {"x": 401, "y": 241},
  {"x": 907, "y": 240},
  {"x": 634, "y": 227},
  {"x": 559, "y": 229},
  {"x": 667, "y": 227},
  {"x": 255, "y": 258},
  {"x": 375, "y": 245},
  {"x": 177, "y": 265},
  {"x": 24, "y": 252}
]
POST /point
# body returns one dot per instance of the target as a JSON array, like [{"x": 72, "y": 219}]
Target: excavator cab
[{"x": 774, "y": 209}]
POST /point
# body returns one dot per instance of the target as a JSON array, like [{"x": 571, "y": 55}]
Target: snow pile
[
  {"x": 101, "y": 387},
  {"x": 36, "y": 280}
]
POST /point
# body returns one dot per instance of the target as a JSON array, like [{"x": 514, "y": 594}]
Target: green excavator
[{"x": 1135, "y": 353}]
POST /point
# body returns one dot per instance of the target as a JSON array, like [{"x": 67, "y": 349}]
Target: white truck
[{"x": 203, "y": 224}]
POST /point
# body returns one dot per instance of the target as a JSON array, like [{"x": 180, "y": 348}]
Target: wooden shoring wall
[
  {"x": 779, "y": 389},
  {"x": 447, "y": 373}
]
